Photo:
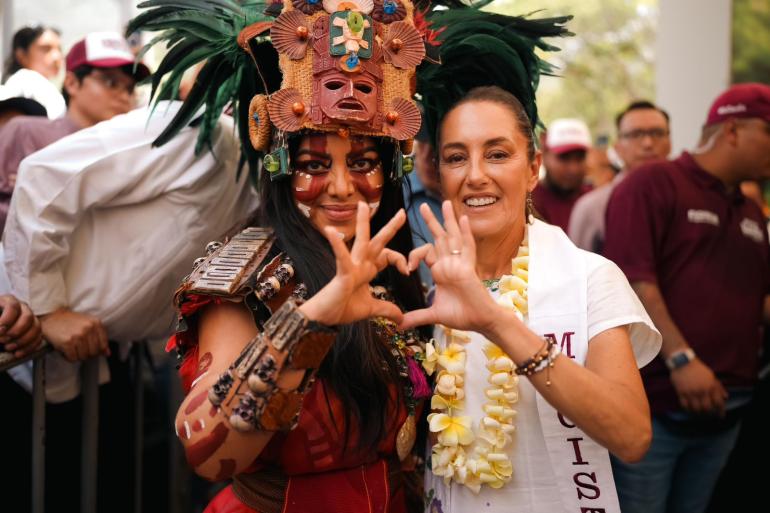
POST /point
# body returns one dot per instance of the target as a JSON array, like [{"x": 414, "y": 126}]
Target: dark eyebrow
[
  {"x": 364, "y": 151},
  {"x": 496, "y": 140},
  {"x": 316, "y": 154},
  {"x": 455, "y": 145}
]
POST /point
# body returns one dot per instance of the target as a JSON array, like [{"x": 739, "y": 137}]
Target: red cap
[
  {"x": 104, "y": 50},
  {"x": 750, "y": 100}
]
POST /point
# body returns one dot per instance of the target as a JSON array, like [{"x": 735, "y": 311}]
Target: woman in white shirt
[
  {"x": 514, "y": 297},
  {"x": 35, "y": 60}
]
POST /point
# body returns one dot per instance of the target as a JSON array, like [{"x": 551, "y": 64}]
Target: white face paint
[{"x": 304, "y": 209}]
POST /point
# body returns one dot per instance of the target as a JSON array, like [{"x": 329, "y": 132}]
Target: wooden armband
[{"x": 248, "y": 391}]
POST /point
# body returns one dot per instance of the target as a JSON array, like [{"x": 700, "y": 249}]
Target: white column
[
  {"x": 693, "y": 55},
  {"x": 6, "y": 30}
]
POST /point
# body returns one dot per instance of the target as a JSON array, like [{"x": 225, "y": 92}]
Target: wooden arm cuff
[{"x": 248, "y": 391}]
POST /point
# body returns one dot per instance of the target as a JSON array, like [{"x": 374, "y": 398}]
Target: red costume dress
[{"x": 311, "y": 468}]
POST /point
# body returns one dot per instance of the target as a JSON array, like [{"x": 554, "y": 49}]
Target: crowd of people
[{"x": 378, "y": 305}]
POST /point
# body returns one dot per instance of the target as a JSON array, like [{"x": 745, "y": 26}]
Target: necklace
[
  {"x": 464, "y": 455},
  {"x": 408, "y": 351},
  {"x": 491, "y": 284}
]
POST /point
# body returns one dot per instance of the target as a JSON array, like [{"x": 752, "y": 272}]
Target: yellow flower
[
  {"x": 458, "y": 336},
  {"x": 510, "y": 282},
  {"x": 491, "y": 351},
  {"x": 453, "y": 358},
  {"x": 438, "y": 402},
  {"x": 431, "y": 357},
  {"x": 448, "y": 384},
  {"x": 452, "y": 430}
]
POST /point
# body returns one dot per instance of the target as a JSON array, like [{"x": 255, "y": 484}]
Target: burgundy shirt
[
  {"x": 675, "y": 225},
  {"x": 19, "y": 138},
  {"x": 555, "y": 206}
]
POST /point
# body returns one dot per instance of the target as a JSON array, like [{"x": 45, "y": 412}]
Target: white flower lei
[{"x": 452, "y": 457}]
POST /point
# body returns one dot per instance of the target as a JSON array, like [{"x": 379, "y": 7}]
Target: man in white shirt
[{"x": 101, "y": 229}]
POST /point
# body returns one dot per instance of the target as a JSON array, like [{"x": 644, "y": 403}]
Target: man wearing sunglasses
[{"x": 99, "y": 85}]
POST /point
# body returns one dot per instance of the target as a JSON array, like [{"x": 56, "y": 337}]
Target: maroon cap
[
  {"x": 104, "y": 50},
  {"x": 750, "y": 100}
]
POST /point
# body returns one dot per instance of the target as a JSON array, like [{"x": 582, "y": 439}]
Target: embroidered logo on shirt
[
  {"x": 702, "y": 216},
  {"x": 752, "y": 230}
]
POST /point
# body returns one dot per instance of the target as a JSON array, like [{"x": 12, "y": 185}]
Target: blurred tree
[
  {"x": 606, "y": 65},
  {"x": 751, "y": 41}
]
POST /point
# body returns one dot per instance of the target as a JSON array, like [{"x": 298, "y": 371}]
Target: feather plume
[
  {"x": 478, "y": 48},
  {"x": 197, "y": 31}
]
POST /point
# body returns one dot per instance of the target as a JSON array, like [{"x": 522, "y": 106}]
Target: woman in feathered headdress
[{"x": 300, "y": 385}]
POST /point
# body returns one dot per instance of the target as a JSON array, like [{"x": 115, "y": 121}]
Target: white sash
[{"x": 558, "y": 307}]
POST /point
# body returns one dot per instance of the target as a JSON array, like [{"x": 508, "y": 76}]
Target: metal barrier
[{"x": 89, "y": 430}]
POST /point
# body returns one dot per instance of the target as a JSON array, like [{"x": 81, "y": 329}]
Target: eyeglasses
[
  {"x": 114, "y": 83},
  {"x": 656, "y": 134}
]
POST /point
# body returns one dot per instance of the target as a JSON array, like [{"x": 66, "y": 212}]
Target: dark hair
[
  {"x": 22, "y": 40},
  {"x": 639, "y": 105},
  {"x": 495, "y": 94},
  {"x": 80, "y": 73},
  {"x": 353, "y": 369}
]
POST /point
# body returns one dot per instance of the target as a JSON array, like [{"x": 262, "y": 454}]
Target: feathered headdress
[{"x": 348, "y": 66}]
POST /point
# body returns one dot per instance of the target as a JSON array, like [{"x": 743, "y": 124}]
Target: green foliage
[
  {"x": 751, "y": 41},
  {"x": 608, "y": 64}
]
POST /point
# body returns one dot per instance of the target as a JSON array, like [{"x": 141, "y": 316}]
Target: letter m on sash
[{"x": 566, "y": 342}]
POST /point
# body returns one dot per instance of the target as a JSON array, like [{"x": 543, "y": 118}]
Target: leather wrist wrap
[{"x": 248, "y": 391}]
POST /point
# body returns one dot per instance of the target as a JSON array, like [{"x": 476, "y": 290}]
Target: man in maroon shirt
[
  {"x": 564, "y": 157},
  {"x": 99, "y": 85},
  {"x": 696, "y": 252}
]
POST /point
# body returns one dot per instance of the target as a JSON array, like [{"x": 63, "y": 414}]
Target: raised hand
[
  {"x": 346, "y": 298},
  {"x": 460, "y": 300}
]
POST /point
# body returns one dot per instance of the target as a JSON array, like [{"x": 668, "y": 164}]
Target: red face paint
[
  {"x": 226, "y": 469},
  {"x": 308, "y": 187},
  {"x": 200, "y": 451},
  {"x": 195, "y": 402},
  {"x": 369, "y": 184},
  {"x": 198, "y": 425},
  {"x": 213, "y": 411},
  {"x": 317, "y": 143},
  {"x": 204, "y": 363}
]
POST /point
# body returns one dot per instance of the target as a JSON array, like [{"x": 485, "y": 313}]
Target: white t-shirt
[
  {"x": 532, "y": 488},
  {"x": 27, "y": 83}
]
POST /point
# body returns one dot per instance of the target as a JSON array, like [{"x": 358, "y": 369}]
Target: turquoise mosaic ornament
[
  {"x": 351, "y": 32},
  {"x": 277, "y": 163}
]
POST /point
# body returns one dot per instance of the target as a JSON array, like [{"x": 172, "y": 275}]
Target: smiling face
[
  {"x": 331, "y": 175},
  {"x": 485, "y": 170}
]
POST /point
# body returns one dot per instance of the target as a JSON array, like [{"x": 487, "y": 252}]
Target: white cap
[{"x": 565, "y": 135}]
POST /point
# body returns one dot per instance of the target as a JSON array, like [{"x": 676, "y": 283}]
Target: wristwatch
[{"x": 680, "y": 359}]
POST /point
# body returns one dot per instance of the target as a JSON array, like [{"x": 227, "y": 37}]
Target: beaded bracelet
[{"x": 542, "y": 359}]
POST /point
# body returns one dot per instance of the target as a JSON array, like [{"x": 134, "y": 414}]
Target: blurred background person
[
  {"x": 18, "y": 106},
  {"x": 99, "y": 84},
  {"x": 423, "y": 186},
  {"x": 643, "y": 136},
  {"x": 566, "y": 146},
  {"x": 34, "y": 63}
]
